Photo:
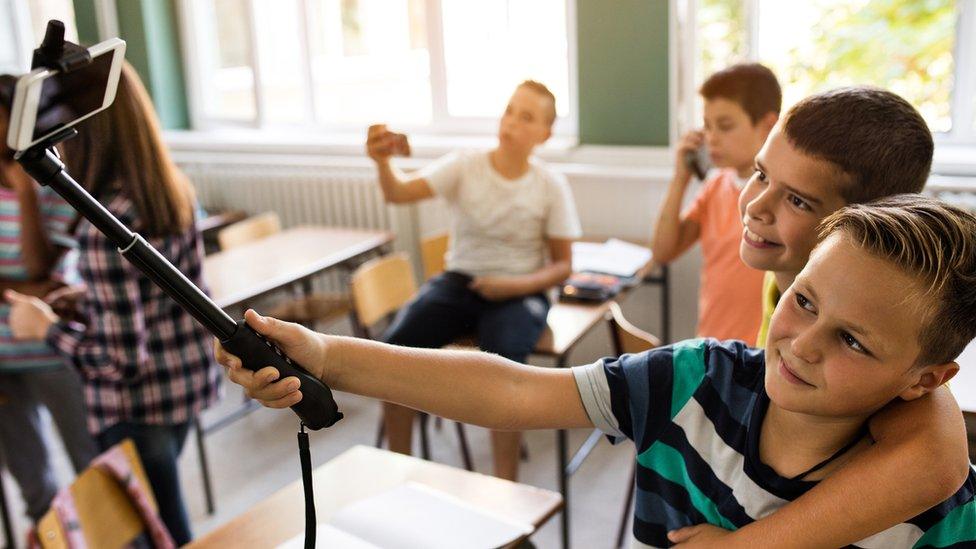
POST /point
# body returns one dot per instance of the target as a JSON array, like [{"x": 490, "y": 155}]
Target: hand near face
[{"x": 690, "y": 142}]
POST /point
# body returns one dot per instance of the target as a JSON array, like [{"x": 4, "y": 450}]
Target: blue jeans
[
  {"x": 159, "y": 448},
  {"x": 445, "y": 309}
]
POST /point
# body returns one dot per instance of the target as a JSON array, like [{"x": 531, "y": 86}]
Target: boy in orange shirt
[{"x": 742, "y": 104}]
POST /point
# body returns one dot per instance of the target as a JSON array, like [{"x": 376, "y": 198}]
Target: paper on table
[
  {"x": 415, "y": 516},
  {"x": 328, "y": 536},
  {"x": 614, "y": 256}
]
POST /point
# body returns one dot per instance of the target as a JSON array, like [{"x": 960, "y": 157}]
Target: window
[
  {"x": 443, "y": 65},
  {"x": 924, "y": 51}
]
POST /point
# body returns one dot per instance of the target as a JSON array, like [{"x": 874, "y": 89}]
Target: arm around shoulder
[{"x": 907, "y": 471}]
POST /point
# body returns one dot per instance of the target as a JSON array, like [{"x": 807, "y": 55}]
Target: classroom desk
[
  {"x": 568, "y": 322},
  {"x": 292, "y": 256},
  {"x": 361, "y": 472},
  {"x": 295, "y": 255}
]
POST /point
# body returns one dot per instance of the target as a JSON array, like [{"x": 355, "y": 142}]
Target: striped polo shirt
[
  {"x": 56, "y": 214},
  {"x": 694, "y": 411}
]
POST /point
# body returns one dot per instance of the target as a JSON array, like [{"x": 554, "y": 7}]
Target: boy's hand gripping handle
[{"x": 317, "y": 409}]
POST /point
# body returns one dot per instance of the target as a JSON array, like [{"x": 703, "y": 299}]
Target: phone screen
[{"x": 66, "y": 97}]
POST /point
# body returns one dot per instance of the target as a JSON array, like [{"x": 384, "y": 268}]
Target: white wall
[{"x": 612, "y": 201}]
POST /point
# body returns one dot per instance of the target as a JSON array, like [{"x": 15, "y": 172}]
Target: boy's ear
[
  {"x": 768, "y": 121},
  {"x": 930, "y": 378}
]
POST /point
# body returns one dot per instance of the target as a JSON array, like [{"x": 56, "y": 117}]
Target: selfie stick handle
[{"x": 317, "y": 409}]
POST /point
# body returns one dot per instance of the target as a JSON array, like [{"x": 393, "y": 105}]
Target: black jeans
[
  {"x": 159, "y": 448},
  {"x": 445, "y": 308}
]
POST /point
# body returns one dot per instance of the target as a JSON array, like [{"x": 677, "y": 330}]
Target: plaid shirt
[{"x": 143, "y": 359}]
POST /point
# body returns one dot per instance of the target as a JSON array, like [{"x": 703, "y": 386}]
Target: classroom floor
[{"x": 257, "y": 455}]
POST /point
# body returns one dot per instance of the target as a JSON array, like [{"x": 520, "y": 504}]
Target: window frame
[
  {"x": 190, "y": 28},
  {"x": 962, "y": 135}
]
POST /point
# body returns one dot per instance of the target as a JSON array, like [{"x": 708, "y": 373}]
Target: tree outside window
[{"x": 905, "y": 46}]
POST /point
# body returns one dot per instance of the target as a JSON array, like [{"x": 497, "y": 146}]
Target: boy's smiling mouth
[
  {"x": 757, "y": 241},
  {"x": 790, "y": 375}
]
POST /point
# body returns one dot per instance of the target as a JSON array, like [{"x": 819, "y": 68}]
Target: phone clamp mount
[{"x": 317, "y": 409}]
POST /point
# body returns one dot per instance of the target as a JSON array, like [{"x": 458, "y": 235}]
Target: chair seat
[{"x": 313, "y": 308}]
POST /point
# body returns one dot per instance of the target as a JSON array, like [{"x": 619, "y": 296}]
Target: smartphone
[
  {"x": 46, "y": 101},
  {"x": 698, "y": 162},
  {"x": 401, "y": 147}
]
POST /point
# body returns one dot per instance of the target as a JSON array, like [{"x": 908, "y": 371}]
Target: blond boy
[{"x": 513, "y": 222}]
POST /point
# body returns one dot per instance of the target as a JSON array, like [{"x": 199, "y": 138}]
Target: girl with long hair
[{"x": 147, "y": 365}]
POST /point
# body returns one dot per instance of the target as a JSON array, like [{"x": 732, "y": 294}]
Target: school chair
[
  {"x": 432, "y": 252},
  {"x": 627, "y": 339},
  {"x": 379, "y": 288},
  {"x": 433, "y": 249},
  {"x": 209, "y": 224},
  {"x": 107, "y": 515}
]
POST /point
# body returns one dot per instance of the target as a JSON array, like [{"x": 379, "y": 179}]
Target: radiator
[{"x": 306, "y": 195}]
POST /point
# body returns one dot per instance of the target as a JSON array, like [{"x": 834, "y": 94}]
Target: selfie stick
[{"x": 317, "y": 409}]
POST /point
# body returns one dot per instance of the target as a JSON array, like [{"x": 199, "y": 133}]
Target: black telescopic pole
[
  {"x": 45, "y": 167},
  {"x": 317, "y": 409}
]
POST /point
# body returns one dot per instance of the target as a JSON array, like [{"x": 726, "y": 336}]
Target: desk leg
[
  {"x": 561, "y": 436},
  {"x": 204, "y": 465},
  {"x": 666, "y": 304},
  {"x": 8, "y": 529},
  {"x": 561, "y": 457}
]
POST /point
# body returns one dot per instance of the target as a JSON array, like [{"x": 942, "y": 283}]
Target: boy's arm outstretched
[{"x": 471, "y": 387}]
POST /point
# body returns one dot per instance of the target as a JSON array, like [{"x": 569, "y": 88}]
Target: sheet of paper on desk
[
  {"x": 614, "y": 257},
  {"x": 415, "y": 516},
  {"x": 329, "y": 536}
]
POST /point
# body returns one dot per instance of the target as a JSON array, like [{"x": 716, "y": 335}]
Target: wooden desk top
[
  {"x": 569, "y": 321},
  {"x": 245, "y": 272},
  {"x": 963, "y": 386},
  {"x": 361, "y": 472}
]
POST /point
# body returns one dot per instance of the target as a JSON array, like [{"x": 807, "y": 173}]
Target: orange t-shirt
[{"x": 730, "y": 297}]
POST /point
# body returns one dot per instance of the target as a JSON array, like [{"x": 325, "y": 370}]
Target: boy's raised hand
[
  {"x": 302, "y": 345},
  {"x": 690, "y": 141},
  {"x": 381, "y": 143}
]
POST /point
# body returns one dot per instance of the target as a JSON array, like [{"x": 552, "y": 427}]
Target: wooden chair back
[
  {"x": 380, "y": 287},
  {"x": 253, "y": 228},
  {"x": 432, "y": 251},
  {"x": 628, "y": 338},
  {"x": 105, "y": 513}
]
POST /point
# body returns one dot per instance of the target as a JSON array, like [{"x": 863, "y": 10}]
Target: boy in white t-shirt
[{"x": 513, "y": 224}]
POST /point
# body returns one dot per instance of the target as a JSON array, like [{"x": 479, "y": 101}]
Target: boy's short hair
[
  {"x": 542, "y": 90},
  {"x": 872, "y": 135},
  {"x": 753, "y": 86},
  {"x": 932, "y": 241}
]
